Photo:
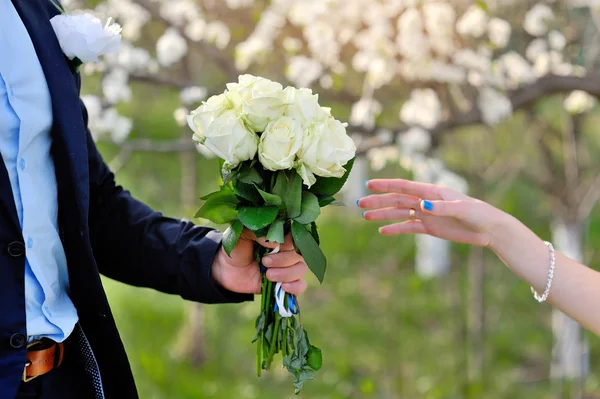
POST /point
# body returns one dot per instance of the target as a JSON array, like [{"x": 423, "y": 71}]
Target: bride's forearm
[{"x": 575, "y": 287}]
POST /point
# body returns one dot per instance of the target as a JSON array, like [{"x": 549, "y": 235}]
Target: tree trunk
[
  {"x": 355, "y": 186},
  {"x": 190, "y": 339},
  {"x": 432, "y": 254},
  {"x": 476, "y": 315},
  {"x": 570, "y": 357}
]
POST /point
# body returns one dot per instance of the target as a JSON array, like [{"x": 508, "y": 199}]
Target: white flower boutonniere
[{"x": 83, "y": 38}]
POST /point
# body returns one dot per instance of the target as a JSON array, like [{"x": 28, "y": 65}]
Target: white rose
[
  {"x": 326, "y": 148},
  {"x": 279, "y": 144},
  {"x": 303, "y": 105},
  {"x": 261, "y": 100},
  {"x": 229, "y": 138},
  {"x": 84, "y": 37},
  {"x": 200, "y": 119}
]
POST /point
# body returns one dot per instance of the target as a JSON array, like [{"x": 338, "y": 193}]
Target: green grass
[{"x": 384, "y": 332}]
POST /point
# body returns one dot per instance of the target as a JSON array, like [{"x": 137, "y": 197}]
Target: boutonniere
[{"x": 83, "y": 38}]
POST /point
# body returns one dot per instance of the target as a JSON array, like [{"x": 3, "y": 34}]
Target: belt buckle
[{"x": 24, "y": 378}]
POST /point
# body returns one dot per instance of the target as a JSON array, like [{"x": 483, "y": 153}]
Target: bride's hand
[{"x": 439, "y": 211}]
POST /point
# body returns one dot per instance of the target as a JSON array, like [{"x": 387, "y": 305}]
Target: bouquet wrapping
[{"x": 283, "y": 158}]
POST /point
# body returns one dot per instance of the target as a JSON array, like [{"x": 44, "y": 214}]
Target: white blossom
[
  {"x": 537, "y": 19},
  {"x": 439, "y": 21},
  {"x": 180, "y": 116},
  {"x": 380, "y": 157},
  {"x": 557, "y": 40},
  {"x": 468, "y": 58},
  {"x": 535, "y": 49},
  {"x": 218, "y": 33},
  {"x": 193, "y": 94},
  {"x": 517, "y": 69},
  {"x": 422, "y": 109},
  {"x": 494, "y": 106},
  {"x": 365, "y": 111},
  {"x": 499, "y": 32},
  {"x": 411, "y": 40},
  {"x": 93, "y": 105},
  {"x": 473, "y": 23},
  {"x": 579, "y": 102},
  {"x": 130, "y": 58},
  {"x": 170, "y": 48},
  {"x": 414, "y": 140},
  {"x": 292, "y": 44},
  {"x": 178, "y": 12},
  {"x": 115, "y": 86},
  {"x": 235, "y": 4},
  {"x": 446, "y": 73},
  {"x": 195, "y": 30},
  {"x": 326, "y": 82},
  {"x": 118, "y": 126},
  {"x": 304, "y": 71}
]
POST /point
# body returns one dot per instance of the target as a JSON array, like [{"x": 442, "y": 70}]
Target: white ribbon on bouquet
[{"x": 280, "y": 294}]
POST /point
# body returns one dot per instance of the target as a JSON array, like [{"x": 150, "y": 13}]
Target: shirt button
[
  {"x": 22, "y": 164},
  {"x": 18, "y": 341},
  {"x": 16, "y": 249}
]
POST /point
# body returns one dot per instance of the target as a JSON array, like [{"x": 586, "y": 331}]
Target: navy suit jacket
[{"x": 104, "y": 230}]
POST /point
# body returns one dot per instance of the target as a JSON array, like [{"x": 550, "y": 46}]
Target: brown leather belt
[{"x": 42, "y": 357}]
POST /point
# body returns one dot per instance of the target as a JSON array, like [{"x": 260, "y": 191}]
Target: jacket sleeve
[{"x": 136, "y": 245}]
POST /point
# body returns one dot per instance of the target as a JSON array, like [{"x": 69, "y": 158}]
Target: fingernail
[
  {"x": 357, "y": 201},
  {"x": 363, "y": 215},
  {"x": 427, "y": 205},
  {"x": 267, "y": 261},
  {"x": 366, "y": 183}
]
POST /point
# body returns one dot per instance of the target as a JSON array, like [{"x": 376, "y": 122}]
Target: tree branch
[
  {"x": 160, "y": 81},
  {"x": 520, "y": 98}
]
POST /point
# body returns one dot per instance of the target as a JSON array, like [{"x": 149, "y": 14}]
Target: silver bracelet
[{"x": 542, "y": 298}]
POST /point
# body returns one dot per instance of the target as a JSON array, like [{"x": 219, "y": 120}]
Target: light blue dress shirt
[{"x": 25, "y": 123}]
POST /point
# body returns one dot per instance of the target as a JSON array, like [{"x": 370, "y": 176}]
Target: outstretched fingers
[
  {"x": 401, "y": 186},
  {"x": 408, "y": 227}
]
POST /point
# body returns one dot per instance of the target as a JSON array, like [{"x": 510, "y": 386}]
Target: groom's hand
[{"x": 240, "y": 272}]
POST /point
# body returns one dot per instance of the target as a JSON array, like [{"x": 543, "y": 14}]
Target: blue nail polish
[
  {"x": 363, "y": 215},
  {"x": 427, "y": 205},
  {"x": 357, "y": 201},
  {"x": 366, "y": 182}
]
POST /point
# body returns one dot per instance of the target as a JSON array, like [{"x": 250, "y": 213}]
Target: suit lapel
[
  {"x": 6, "y": 197},
  {"x": 68, "y": 132}
]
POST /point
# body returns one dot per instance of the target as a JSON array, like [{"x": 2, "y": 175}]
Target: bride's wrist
[{"x": 506, "y": 233}]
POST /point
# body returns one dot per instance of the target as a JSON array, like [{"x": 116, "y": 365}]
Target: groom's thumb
[{"x": 455, "y": 209}]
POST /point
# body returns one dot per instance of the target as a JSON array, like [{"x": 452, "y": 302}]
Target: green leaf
[
  {"x": 231, "y": 236},
  {"x": 289, "y": 188},
  {"x": 314, "y": 232},
  {"x": 208, "y": 196},
  {"x": 247, "y": 192},
  {"x": 310, "y": 250},
  {"x": 314, "y": 358},
  {"x": 324, "y": 201},
  {"x": 275, "y": 233},
  {"x": 310, "y": 209},
  {"x": 260, "y": 325},
  {"x": 270, "y": 199},
  {"x": 250, "y": 176},
  {"x": 329, "y": 186},
  {"x": 256, "y": 218},
  {"x": 219, "y": 207},
  {"x": 261, "y": 232},
  {"x": 482, "y": 5}
]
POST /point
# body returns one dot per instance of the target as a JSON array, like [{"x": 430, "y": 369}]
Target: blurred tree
[{"x": 435, "y": 65}]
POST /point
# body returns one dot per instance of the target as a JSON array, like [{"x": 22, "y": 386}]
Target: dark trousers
[{"x": 68, "y": 381}]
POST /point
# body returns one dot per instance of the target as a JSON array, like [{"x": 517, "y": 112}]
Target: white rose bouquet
[{"x": 283, "y": 158}]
